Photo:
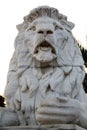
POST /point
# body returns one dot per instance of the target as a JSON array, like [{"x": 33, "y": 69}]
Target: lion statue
[{"x": 46, "y": 71}]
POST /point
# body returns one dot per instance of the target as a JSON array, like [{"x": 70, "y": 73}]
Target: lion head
[
  {"x": 46, "y": 35},
  {"x": 45, "y": 41}
]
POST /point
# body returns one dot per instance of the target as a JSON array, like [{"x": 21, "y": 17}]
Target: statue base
[{"x": 43, "y": 127}]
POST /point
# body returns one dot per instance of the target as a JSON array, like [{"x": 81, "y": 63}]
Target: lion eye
[
  {"x": 58, "y": 27},
  {"x": 33, "y": 28}
]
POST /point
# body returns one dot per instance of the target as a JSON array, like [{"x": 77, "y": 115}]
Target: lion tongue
[{"x": 45, "y": 56}]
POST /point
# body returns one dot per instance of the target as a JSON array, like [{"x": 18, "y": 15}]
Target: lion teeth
[{"x": 45, "y": 48}]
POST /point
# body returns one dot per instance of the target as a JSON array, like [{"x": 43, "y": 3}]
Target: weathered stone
[
  {"x": 44, "y": 83},
  {"x": 53, "y": 127}
]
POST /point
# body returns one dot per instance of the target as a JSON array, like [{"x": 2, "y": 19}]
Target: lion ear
[
  {"x": 67, "y": 25},
  {"x": 19, "y": 27},
  {"x": 22, "y": 26}
]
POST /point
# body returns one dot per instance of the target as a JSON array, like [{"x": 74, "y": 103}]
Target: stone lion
[{"x": 46, "y": 70}]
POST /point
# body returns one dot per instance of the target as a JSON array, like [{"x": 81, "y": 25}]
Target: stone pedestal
[{"x": 46, "y": 127}]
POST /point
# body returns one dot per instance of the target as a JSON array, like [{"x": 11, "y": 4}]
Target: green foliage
[
  {"x": 2, "y": 101},
  {"x": 85, "y": 83},
  {"x": 84, "y": 54}
]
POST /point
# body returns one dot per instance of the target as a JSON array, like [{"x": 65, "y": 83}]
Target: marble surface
[
  {"x": 47, "y": 127},
  {"x": 44, "y": 82}
]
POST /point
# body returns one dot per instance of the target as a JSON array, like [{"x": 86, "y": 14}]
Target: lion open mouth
[{"x": 44, "y": 52}]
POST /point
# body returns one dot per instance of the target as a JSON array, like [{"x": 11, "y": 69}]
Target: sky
[{"x": 12, "y": 13}]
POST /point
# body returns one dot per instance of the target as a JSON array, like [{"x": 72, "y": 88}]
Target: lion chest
[{"x": 49, "y": 86}]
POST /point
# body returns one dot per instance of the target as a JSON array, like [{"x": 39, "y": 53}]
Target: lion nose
[{"x": 45, "y": 32}]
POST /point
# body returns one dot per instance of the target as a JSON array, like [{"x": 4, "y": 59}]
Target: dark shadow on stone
[{"x": 2, "y": 100}]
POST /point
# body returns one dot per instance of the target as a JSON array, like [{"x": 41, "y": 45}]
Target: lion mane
[{"x": 68, "y": 73}]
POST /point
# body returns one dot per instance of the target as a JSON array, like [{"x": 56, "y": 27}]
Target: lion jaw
[{"x": 44, "y": 52}]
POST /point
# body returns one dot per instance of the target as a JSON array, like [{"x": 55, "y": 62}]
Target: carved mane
[
  {"x": 45, "y": 11},
  {"x": 69, "y": 58}
]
